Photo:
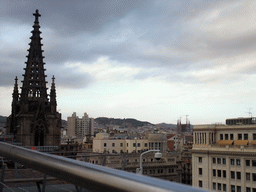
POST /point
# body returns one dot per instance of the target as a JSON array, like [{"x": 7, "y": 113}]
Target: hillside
[{"x": 121, "y": 122}]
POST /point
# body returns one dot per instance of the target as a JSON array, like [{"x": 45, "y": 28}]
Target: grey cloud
[{"x": 85, "y": 30}]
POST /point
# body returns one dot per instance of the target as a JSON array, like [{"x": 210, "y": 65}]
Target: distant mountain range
[
  {"x": 121, "y": 122},
  {"x": 114, "y": 121}
]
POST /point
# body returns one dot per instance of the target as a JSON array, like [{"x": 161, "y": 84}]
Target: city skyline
[{"x": 152, "y": 61}]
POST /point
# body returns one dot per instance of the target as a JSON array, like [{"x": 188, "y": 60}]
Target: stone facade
[{"x": 224, "y": 157}]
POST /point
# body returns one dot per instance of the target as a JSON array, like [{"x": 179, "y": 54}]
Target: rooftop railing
[{"x": 88, "y": 176}]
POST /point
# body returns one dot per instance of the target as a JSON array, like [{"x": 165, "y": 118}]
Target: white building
[
  {"x": 80, "y": 127},
  {"x": 224, "y": 156}
]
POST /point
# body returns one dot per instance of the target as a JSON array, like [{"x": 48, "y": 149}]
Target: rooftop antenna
[{"x": 250, "y": 113}]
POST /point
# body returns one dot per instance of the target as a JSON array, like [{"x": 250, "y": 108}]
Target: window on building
[
  {"x": 247, "y": 162},
  {"x": 154, "y": 171},
  {"x": 226, "y": 136},
  {"x": 134, "y": 144},
  {"x": 248, "y": 189},
  {"x": 253, "y": 189},
  {"x": 200, "y": 170},
  {"x": 219, "y": 173},
  {"x": 221, "y": 136},
  {"x": 113, "y": 151},
  {"x": 233, "y": 188},
  {"x": 224, "y": 161},
  {"x": 219, "y": 160},
  {"x": 121, "y": 151},
  {"x": 231, "y": 136},
  {"x": 254, "y": 176},
  {"x": 121, "y": 144},
  {"x": 138, "y": 144},
  {"x": 219, "y": 186},
  {"x": 238, "y": 162},
  {"x": 232, "y": 174},
  {"x": 238, "y": 175},
  {"x": 238, "y": 188},
  {"x": 150, "y": 171},
  {"x": 146, "y": 145},
  {"x": 254, "y": 136},
  {"x": 213, "y": 160},
  {"x": 214, "y": 172},
  {"x": 113, "y": 144},
  {"x": 248, "y": 176},
  {"x": 105, "y": 144},
  {"x": 239, "y": 137},
  {"x": 224, "y": 173},
  {"x": 214, "y": 186},
  {"x": 127, "y": 144},
  {"x": 200, "y": 159},
  {"x": 232, "y": 161},
  {"x": 224, "y": 187},
  {"x": 200, "y": 183},
  {"x": 245, "y": 136},
  {"x": 253, "y": 163}
]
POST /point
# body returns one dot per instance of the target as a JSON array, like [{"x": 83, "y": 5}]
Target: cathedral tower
[{"x": 34, "y": 120}]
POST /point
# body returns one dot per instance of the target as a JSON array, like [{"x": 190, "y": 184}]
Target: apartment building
[
  {"x": 224, "y": 156},
  {"x": 80, "y": 127},
  {"x": 119, "y": 145},
  {"x": 168, "y": 168}
]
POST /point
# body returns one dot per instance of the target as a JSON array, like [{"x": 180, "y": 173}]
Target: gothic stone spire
[{"x": 34, "y": 83}]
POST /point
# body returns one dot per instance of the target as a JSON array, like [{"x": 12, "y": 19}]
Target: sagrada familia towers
[{"x": 34, "y": 120}]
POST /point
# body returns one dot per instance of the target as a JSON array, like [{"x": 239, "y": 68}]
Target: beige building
[
  {"x": 80, "y": 127},
  {"x": 224, "y": 156},
  {"x": 157, "y": 141},
  {"x": 119, "y": 145},
  {"x": 167, "y": 168}
]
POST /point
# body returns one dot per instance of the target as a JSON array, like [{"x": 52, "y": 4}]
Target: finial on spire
[
  {"x": 16, "y": 79},
  {"x": 36, "y": 14}
]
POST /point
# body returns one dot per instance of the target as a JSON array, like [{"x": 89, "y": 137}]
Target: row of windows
[
  {"x": 235, "y": 175},
  {"x": 240, "y": 136},
  {"x": 248, "y": 176},
  {"x": 214, "y": 171},
  {"x": 159, "y": 171},
  {"x": 220, "y": 186},
  {"x": 223, "y": 187},
  {"x": 121, "y": 145},
  {"x": 232, "y": 161},
  {"x": 219, "y": 160}
]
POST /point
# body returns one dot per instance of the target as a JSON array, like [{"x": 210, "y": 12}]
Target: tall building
[
  {"x": 224, "y": 156},
  {"x": 80, "y": 127},
  {"x": 34, "y": 120}
]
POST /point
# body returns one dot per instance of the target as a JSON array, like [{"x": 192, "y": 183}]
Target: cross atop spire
[{"x": 36, "y": 14}]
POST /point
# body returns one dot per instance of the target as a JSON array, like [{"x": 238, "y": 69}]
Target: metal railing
[{"x": 88, "y": 176}]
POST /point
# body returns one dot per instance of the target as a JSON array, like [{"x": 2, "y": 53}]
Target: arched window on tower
[
  {"x": 30, "y": 93},
  {"x": 37, "y": 93}
]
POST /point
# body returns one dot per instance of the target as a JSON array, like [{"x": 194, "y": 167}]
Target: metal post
[
  {"x": 2, "y": 176},
  {"x": 16, "y": 174},
  {"x": 44, "y": 183},
  {"x": 140, "y": 171}
]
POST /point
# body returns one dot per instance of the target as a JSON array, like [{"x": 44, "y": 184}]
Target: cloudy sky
[{"x": 150, "y": 60}]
